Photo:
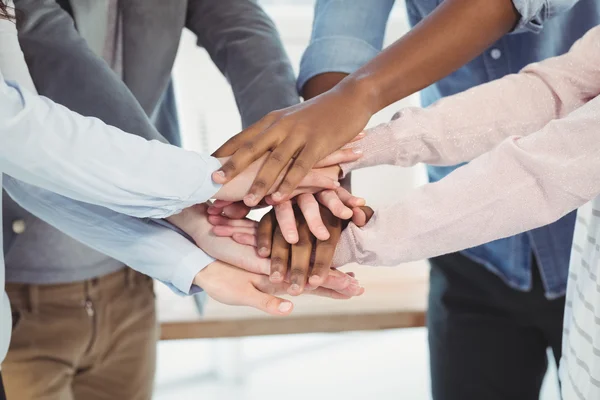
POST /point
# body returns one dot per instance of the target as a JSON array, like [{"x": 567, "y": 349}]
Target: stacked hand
[{"x": 299, "y": 236}]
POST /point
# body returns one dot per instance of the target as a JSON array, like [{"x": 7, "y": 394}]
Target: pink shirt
[{"x": 533, "y": 140}]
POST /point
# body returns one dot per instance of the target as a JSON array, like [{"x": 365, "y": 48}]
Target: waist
[{"x": 78, "y": 293}]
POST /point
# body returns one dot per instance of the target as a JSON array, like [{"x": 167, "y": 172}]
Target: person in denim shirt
[{"x": 490, "y": 327}]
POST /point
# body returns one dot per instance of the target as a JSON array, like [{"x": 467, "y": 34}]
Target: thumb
[{"x": 268, "y": 303}]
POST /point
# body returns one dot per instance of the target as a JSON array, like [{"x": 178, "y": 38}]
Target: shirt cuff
[
  {"x": 533, "y": 14},
  {"x": 189, "y": 267},
  {"x": 208, "y": 188},
  {"x": 334, "y": 54}
]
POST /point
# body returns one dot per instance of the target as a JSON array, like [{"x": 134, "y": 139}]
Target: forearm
[
  {"x": 456, "y": 32},
  {"x": 245, "y": 45},
  {"x": 141, "y": 244},
  {"x": 49, "y": 146},
  {"x": 523, "y": 184},
  {"x": 461, "y": 127}
]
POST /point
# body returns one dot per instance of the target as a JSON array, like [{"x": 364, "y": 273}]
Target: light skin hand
[
  {"x": 195, "y": 222},
  {"x": 318, "y": 179},
  {"x": 289, "y": 260},
  {"x": 340, "y": 202}
]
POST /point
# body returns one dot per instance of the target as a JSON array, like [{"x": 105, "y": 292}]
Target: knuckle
[
  {"x": 249, "y": 146},
  {"x": 278, "y": 262},
  {"x": 298, "y": 270},
  {"x": 278, "y": 157},
  {"x": 259, "y": 185},
  {"x": 301, "y": 166},
  {"x": 319, "y": 265}
]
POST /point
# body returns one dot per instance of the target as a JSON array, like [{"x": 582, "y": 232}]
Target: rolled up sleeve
[
  {"x": 535, "y": 12},
  {"x": 345, "y": 36}
]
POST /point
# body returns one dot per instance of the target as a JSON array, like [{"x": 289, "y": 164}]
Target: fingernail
[
  {"x": 264, "y": 252},
  {"x": 249, "y": 199},
  {"x": 277, "y": 196},
  {"x": 295, "y": 287},
  {"x": 336, "y": 184},
  {"x": 276, "y": 276},
  {"x": 292, "y": 236},
  {"x": 361, "y": 134},
  {"x": 357, "y": 151},
  {"x": 324, "y": 233},
  {"x": 315, "y": 280},
  {"x": 220, "y": 175},
  {"x": 285, "y": 307}
]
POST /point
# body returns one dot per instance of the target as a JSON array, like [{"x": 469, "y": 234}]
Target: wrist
[{"x": 363, "y": 89}]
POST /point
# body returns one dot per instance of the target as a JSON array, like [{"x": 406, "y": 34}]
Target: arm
[
  {"x": 46, "y": 145},
  {"x": 523, "y": 184},
  {"x": 345, "y": 36},
  {"x": 245, "y": 45},
  {"x": 142, "y": 244},
  {"x": 461, "y": 127},
  {"x": 456, "y": 32}
]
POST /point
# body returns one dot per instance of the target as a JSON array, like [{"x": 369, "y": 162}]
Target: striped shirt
[{"x": 580, "y": 364}]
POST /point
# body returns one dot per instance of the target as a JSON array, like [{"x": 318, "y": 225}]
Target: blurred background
[{"x": 380, "y": 364}]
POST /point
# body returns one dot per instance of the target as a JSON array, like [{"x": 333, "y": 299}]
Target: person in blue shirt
[{"x": 495, "y": 309}]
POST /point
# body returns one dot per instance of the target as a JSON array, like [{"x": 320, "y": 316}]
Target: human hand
[
  {"x": 307, "y": 132},
  {"x": 234, "y": 286},
  {"x": 339, "y": 201},
  {"x": 194, "y": 221},
  {"x": 293, "y": 260}
]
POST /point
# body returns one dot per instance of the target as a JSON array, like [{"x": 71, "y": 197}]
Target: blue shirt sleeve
[
  {"x": 49, "y": 146},
  {"x": 345, "y": 36},
  {"x": 154, "y": 249},
  {"x": 535, "y": 12}
]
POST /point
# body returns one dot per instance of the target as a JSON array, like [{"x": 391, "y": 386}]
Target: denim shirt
[{"x": 348, "y": 33}]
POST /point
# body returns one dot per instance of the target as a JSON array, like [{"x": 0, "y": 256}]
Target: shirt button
[
  {"x": 496, "y": 54},
  {"x": 18, "y": 226}
]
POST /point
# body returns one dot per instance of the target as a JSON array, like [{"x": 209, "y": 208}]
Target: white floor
[{"x": 387, "y": 365}]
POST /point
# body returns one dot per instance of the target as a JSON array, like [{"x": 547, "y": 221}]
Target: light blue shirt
[
  {"x": 90, "y": 180},
  {"x": 348, "y": 33}
]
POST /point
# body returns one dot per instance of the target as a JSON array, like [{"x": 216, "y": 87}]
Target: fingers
[
  {"x": 237, "y": 210},
  {"x": 249, "y": 152},
  {"x": 264, "y": 233},
  {"x": 269, "y": 173},
  {"x": 300, "y": 262},
  {"x": 268, "y": 303},
  {"x": 280, "y": 253},
  {"x": 349, "y": 199},
  {"x": 332, "y": 294},
  {"x": 301, "y": 167},
  {"x": 245, "y": 239},
  {"x": 340, "y": 157},
  {"x": 287, "y": 221},
  {"x": 362, "y": 215},
  {"x": 320, "y": 179},
  {"x": 221, "y": 220},
  {"x": 310, "y": 209},
  {"x": 325, "y": 249},
  {"x": 331, "y": 201}
]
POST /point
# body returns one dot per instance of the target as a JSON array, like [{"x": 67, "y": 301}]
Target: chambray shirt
[
  {"x": 100, "y": 178},
  {"x": 348, "y": 33}
]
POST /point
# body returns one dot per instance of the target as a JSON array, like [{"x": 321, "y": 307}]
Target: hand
[
  {"x": 307, "y": 132},
  {"x": 237, "y": 287},
  {"x": 340, "y": 202},
  {"x": 194, "y": 221},
  {"x": 270, "y": 240},
  {"x": 318, "y": 179}
]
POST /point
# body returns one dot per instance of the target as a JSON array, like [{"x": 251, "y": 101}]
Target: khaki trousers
[{"x": 91, "y": 340}]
